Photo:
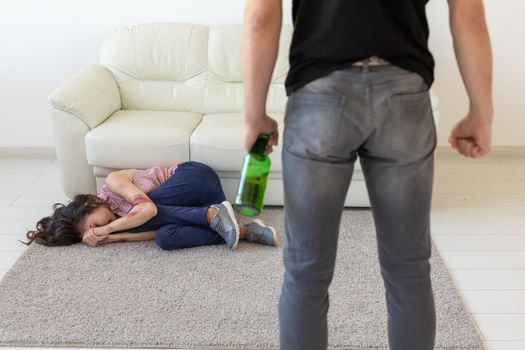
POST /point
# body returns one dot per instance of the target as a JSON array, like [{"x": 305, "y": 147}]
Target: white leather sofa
[{"x": 165, "y": 93}]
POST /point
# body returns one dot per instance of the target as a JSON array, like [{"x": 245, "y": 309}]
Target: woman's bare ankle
[
  {"x": 243, "y": 232},
  {"x": 210, "y": 214}
]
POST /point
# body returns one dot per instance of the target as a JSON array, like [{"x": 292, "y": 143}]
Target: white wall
[
  {"x": 43, "y": 42},
  {"x": 507, "y": 32}
]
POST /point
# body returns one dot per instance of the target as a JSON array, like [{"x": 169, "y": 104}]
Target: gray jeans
[{"x": 383, "y": 114}]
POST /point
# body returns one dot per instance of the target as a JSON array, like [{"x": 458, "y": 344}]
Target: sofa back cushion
[
  {"x": 158, "y": 66},
  {"x": 224, "y": 89},
  {"x": 186, "y": 67}
]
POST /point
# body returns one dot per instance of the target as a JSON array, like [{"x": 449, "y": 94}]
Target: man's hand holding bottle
[{"x": 257, "y": 126}]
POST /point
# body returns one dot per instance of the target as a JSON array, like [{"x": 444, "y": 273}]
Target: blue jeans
[
  {"x": 383, "y": 114},
  {"x": 182, "y": 202}
]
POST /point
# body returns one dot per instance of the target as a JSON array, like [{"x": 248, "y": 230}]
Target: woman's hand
[{"x": 96, "y": 236}]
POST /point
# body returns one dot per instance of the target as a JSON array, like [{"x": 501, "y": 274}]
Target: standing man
[{"x": 358, "y": 84}]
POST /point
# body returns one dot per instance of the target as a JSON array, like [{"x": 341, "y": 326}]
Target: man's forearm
[
  {"x": 259, "y": 53},
  {"x": 474, "y": 56}
]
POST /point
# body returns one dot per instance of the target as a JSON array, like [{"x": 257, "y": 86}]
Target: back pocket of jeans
[
  {"x": 312, "y": 123},
  {"x": 412, "y": 121}
]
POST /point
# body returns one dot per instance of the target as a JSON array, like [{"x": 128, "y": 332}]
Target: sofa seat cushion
[
  {"x": 141, "y": 139},
  {"x": 219, "y": 138}
]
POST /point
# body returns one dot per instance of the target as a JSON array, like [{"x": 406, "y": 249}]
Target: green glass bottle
[{"x": 254, "y": 176}]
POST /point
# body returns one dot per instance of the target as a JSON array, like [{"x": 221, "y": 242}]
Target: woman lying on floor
[{"x": 179, "y": 207}]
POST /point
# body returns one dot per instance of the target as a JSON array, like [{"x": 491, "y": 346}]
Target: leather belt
[{"x": 371, "y": 61}]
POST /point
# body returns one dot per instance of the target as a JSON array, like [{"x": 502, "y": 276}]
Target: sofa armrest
[
  {"x": 75, "y": 173},
  {"x": 91, "y": 94}
]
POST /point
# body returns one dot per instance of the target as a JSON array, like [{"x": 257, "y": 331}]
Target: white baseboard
[{"x": 28, "y": 152}]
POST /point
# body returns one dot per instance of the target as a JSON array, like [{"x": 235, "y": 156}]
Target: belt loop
[{"x": 365, "y": 64}]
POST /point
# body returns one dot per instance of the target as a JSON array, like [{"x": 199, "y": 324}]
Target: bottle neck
[{"x": 260, "y": 147}]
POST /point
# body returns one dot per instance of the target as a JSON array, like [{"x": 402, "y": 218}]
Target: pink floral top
[{"x": 147, "y": 180}]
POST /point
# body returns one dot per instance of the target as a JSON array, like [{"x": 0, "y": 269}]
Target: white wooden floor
[{"x": 478, "y": 226}]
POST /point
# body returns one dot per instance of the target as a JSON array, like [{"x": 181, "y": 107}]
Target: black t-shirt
[{"x": 332, "y": 34}]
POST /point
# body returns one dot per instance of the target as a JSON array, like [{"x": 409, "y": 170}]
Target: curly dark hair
[{"x": 63, "y": 227}]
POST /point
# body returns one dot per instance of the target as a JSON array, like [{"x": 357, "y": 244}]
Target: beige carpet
[{"x": 135, "y": 295}]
